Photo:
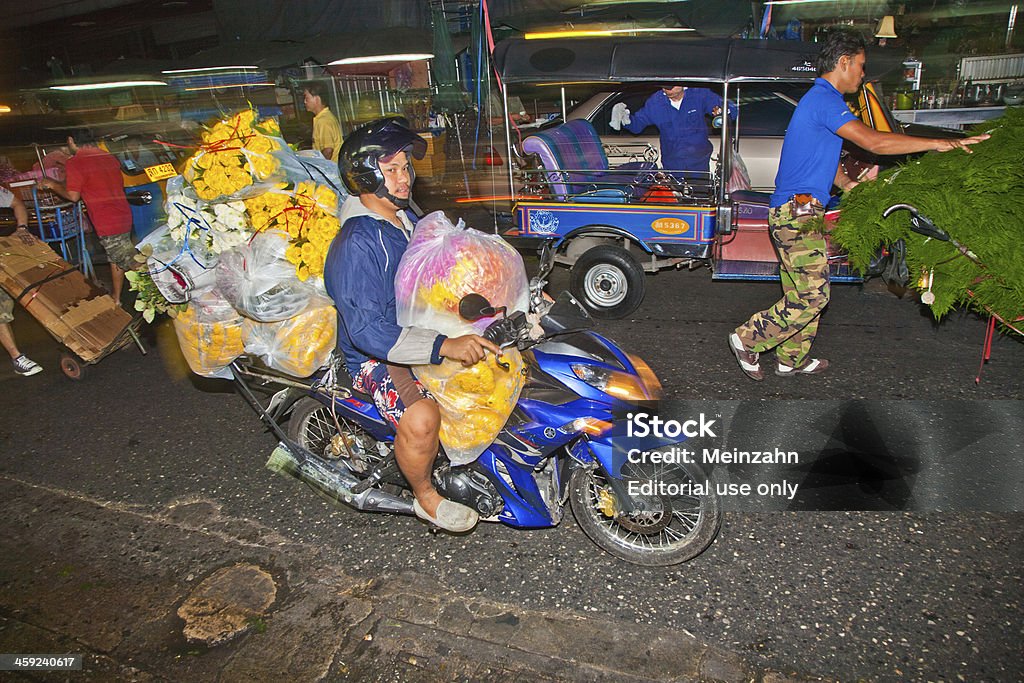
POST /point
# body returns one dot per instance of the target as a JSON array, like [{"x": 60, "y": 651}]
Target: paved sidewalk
[{"x": 122, "y": 586}]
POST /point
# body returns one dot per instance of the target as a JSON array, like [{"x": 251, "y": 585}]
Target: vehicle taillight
[{"x": 492, "y": 158}]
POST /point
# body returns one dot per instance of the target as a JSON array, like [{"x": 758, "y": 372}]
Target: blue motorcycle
[{"x": 565, "y": 440}]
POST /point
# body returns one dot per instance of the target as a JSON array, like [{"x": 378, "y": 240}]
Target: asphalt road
[{"x": 855, "y": 595}]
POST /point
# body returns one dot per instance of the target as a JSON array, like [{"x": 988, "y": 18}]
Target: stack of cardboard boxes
[{"x": 77, "y": 313}]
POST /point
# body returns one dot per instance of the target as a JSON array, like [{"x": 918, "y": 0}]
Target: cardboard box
[
  {"x": 79, "y": 314},
  {"x": 433, "y": 162}
]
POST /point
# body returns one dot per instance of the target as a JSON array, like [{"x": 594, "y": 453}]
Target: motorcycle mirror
[
  {"x": 473, "y": 307},
  {"x": 546, "y": 258}
]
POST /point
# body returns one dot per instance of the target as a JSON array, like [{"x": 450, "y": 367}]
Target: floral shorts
[
  {"x": 393, "y": 387},
  {"x": 120, "y": 250},
  {"x": 6, "y": 308}
]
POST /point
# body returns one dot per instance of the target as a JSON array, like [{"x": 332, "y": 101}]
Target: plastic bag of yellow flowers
[
  {"x": 238, "y": 158},
  {"x": 210, "y": 335},
  {"x": 474, "y": 402},
  {"x": 308, "y": 214},
  {"x": 442, "y": 264},
  {"x": 297, "y": 346}
]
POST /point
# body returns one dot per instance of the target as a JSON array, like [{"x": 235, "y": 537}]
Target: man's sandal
[
  {"x": 814, "y": 366},
  {"x": 748, "y": 360},
  {"x": 450, "y": 516}
]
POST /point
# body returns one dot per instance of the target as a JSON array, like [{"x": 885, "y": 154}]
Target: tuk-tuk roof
[{"x": 624, "y": 59}]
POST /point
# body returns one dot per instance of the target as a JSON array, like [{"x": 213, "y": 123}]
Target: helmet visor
[{"x": 388, "y": 137}]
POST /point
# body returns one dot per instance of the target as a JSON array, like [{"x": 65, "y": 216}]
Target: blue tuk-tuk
[{"x": 611, "y": 223}]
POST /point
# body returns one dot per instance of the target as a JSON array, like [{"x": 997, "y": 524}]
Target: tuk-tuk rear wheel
[{"x": 608, "y": 281}]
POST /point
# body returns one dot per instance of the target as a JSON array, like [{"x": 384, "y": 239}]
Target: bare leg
[
  {"x": 117, "y": 281},
  {"x": 7, "y": 340},
  {"x": 416, "y": 447}
]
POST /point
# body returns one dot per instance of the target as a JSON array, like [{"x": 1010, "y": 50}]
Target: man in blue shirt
[
  {"x": 359, "y": 274},
  {"x": 678, "y": 113},
  {"x": 808, "y": 169}
]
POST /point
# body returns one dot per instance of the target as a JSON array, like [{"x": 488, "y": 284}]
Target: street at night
[{"x": 881, "y": 595}]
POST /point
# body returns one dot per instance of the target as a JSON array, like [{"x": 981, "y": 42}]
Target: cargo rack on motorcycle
[{"x": 251, "y": 375}]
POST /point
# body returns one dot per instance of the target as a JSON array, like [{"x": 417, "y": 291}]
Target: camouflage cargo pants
[{"x": 792, "y": 323}]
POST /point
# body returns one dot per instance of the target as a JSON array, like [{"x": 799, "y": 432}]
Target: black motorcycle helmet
[{"x": 360, "y": 155}]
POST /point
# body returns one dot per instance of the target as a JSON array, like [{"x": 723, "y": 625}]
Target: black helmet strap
[{"x": 383, "y": 193}]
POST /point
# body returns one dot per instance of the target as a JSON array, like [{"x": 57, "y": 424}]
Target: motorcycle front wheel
[{"x": 671, "y": 520}]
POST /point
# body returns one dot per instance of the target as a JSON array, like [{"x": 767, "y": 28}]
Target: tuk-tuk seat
[
  {"x": 750, "y": 205},
  {"x": 575, "y": 157}
]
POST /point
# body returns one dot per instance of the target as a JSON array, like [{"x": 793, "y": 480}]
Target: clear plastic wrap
[
  {"x": 297, "y": 346},
  {"x": 210, "y": 335},
  {"x": 475, "y": 402},
  {"x": 443, "y": 263},
  {"x": 308, "y": 213},
  {"x": 181, "y": 269},
  {"x": 241, "y": 157},
  {"x": 316, "y": 169},
  {"x": 261, "y": 283},
  {"x": 219, "y": 226}
]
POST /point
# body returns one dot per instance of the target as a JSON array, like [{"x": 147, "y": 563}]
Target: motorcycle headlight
[{"x": 621, "y": 385}]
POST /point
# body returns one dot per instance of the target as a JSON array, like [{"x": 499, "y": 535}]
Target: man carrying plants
[{"x": 808, "y": 169}]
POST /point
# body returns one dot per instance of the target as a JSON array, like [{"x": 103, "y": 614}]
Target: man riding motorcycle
[{"x": 360, "y": 276}]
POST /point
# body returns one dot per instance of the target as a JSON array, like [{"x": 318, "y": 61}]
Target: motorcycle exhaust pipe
[{"x": 334, "y": 483}]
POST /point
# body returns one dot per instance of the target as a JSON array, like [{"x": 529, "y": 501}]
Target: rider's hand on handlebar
[{"x": 468, "y": 349}]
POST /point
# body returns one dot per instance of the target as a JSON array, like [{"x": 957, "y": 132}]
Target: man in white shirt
[{"x": 23, "y": 365}]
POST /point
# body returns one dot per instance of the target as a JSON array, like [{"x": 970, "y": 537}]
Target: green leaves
[
  {"x": 150, "y": 301},
  {"x": 977, "y": 198}
]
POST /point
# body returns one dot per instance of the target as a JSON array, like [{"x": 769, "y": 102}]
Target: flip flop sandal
[
  {"x": 815, "y": 366},
  {"x": 450, "y": 516},
  {"x": 747, "y": 359}
]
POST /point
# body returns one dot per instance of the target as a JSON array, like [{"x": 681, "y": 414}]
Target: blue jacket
[
  {"x": 360, "y": 276},
  {"x": 683, "y": 132}
]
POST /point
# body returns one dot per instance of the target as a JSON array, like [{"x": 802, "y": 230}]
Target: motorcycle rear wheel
[
  {"x": 313, "y": 427},
  {"x": 667, "y": 528}
]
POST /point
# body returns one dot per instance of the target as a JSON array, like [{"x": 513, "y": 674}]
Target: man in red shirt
[{"x": 94, "y": 176}]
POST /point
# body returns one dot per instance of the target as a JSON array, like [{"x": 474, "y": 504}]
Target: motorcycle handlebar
[
  {"x": 897, "y": 207},
  {"x": 506, "y": 330},
  {"x": 919, "y": 223}
]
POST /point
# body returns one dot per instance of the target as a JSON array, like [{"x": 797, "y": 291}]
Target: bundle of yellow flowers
[
  {"x": 209, "y": 343},
  {"x": 296, "y": 346},
  {"x": 235, "y": 154},
  {"x": 308, "y": 213},
  {"x": 474, "y": 401}
]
